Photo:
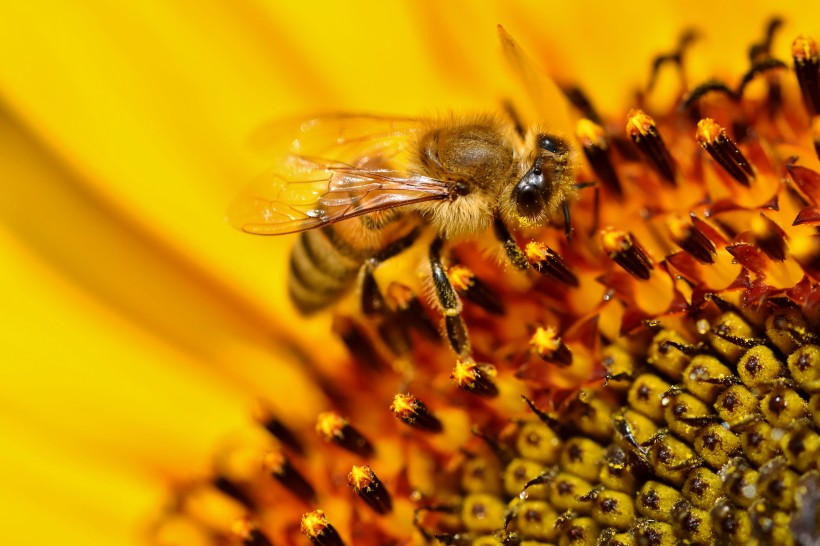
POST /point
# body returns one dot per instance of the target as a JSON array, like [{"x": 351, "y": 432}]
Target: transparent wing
[
  {"x": 305, "y": 193},
  {"x": 547, "y": 103},
  {"x": 340, "y": 136}
]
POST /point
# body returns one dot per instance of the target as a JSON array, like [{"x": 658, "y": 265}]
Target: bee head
[{"x": 545, "y": 185}]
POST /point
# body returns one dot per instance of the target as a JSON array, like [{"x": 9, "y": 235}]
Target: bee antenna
[{"x": 567, "y": 224}]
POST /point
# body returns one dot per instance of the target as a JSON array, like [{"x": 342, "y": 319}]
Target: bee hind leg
[{"x": 372, "y": 299}]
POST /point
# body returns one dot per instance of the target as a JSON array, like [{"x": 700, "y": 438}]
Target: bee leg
[
  {"x": 372, "y": 299},
  {"x": 514, "y": 252},
  {"x": 450, "y": 304}
]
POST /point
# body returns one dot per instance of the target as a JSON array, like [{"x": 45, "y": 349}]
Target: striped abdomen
[
  {"x": 323, "y": 266},
  {"x": 325, "y": 262}
]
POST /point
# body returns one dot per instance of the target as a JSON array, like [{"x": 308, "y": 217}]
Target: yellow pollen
[
  {"x": 273, "y": 461},
  {"x": 545, "y": 340},
  {"x": 708, "y": 131},
  {"x": 242, "y": 528},
  {"x": 615, "y": 241},
  {"x": 329, "y": 425},
  {"x": 535, "y": 251},
  {"x": 314, "y": 523},
  {"x": 465, "y": 373},
  {"x": 639, "y": 123},
  {"x": 360, "y": 477},
  {"x": 460, "y": 277},
  {"x": 403, "y": 404},
  {"x": 590, "y": 133},
  {"x": 804, "y": 48},
  {"x": 815, "y": 127}
]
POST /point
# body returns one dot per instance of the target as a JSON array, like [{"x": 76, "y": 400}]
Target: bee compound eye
[
  {"x": 528, "y": 194},
  {"x": 550, "y": 144}
]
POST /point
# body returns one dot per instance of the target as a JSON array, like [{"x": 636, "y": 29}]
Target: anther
[
  {"x": 474, "y": 378},
  {"x": 546, "y": 343},
  {"x": 713, "y": 139},
  {"x": 233, "y": 490},
  {"x": 473, "y": 289},
  {"x": 282, "y": 471},
  {"x": 249, "y": 533},
  {"x": 370, "y": 489},
  {"x": 596, "y": 150},
  {"x": 626, "y": 252},
  {"x": 334, "y": 428},
  {"x": 277, "y": 428},
  {"x": 691, "y": 239},
  {"x": 412, "y": 412},
  {"x": 549, "y": 263},
  {"x": 358, "y": 342},
  {"x": 807, "y": 68},
  {"x": 319, "y": 530},
  {"x": 644, "y": 133}
]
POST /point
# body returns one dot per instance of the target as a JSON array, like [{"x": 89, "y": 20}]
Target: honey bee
[{"x": 361, "y": 189}]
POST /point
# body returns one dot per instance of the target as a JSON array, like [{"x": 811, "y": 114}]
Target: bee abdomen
[{"x": 323, "y": 266}]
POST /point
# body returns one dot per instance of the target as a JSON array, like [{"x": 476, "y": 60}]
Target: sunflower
[{"x": 140, "y": 328}]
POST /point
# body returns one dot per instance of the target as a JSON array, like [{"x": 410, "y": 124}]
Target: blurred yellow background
[{"x": 138, "y": 325}]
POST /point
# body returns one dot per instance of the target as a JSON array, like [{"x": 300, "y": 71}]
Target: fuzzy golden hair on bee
[{"x": 474, "y": 151}]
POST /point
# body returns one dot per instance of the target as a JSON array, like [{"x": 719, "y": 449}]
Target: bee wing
[
  {"x": 549, "y": 104},
  {"x": 343, "y": 136},
  {"x": 307, "y": 193}
]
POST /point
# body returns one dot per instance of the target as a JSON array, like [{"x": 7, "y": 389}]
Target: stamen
[
  {"x": 234, "y": 491},
  {"x": 546, "y": 343},
  {"x": 472, "y": 288},
  {"x": 475, "y": 379},
  {"x": 357, "y": 342},
  {"x": 713, "y": 139},
  {"x": 644, "y": 133},
  {"x": 691, "y": 239},
  {"x": 334, "y": 428},
  {"x": 249, "y": 533},
  {"x": 413, "y": 412},
  {"x": 277, "y": 428},
  {"x": 626, "y": 252},
  {"x": 580, "y": 101},
  {"x": 370, "y": 489},
  {"x": 596, "y": 150},
  {"x": 319, "y": 530},
  {"x": 282, "y": 471},
  {"x": 549, "y": 263},
  {"x": 807, "y": 68}
]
